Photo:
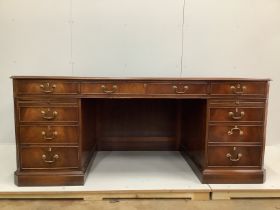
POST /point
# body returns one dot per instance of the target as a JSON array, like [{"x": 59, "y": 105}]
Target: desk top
[{"x": 143, "y": 78}]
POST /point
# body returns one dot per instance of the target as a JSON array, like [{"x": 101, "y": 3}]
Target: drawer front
[
  {"x": 48, "y": 134},
  {"x": 113, "y": 88},
  {"x": 237, "y": 102},
  {"x": 46, "y": 87},
  {"x": 237, "y": 114},
  {"x": 235, "y": 133},
  {"x": 234, "y": 156},
  {"x": 176, "y": 88},
  {"x": 239, "y": 88},
  {"x": 49, "y": 157},
  {"x": 48, "y": 114}
]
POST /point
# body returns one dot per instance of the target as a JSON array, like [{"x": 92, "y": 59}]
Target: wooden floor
[{"x": 141, "y": 204}]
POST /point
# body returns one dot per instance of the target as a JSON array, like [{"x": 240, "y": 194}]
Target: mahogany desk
[{"x": 218, "y": 125}]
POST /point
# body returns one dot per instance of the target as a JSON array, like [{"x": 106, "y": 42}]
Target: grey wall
[{"x": 214, "y": 38}]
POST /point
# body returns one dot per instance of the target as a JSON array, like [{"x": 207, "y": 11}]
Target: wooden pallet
[
  {"x": 243, "y": 194},
  {"x": 101, "y": 195}
]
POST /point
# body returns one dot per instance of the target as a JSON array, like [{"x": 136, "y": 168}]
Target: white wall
[{"x": 224, "y": 38}]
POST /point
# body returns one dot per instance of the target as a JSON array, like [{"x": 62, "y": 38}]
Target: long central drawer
[
  {"x": 112, "y": 88},
  {"x": 177, "y": 88}
]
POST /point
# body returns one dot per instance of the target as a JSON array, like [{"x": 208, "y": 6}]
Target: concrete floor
[{"x": 141, "y": 204}]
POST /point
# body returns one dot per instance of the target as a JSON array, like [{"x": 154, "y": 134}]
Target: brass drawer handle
[
  {"x": 236, "y": 115},
  {"x": 229, "y": 156},
  {"x": 49, "y": 115},
  {"x": 180, "y": 92},
  {"x": 238, "y": 89},
  {"x": 105, "y": 89},
  {"x": 49, "y": 135},
  {"x": 47, "y": 87},
  {"x": 53, "y": 157},
  {"x": 230, "y": 132}
]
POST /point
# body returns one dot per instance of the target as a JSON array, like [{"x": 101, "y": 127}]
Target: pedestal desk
[{"x": 218, "y": 125}]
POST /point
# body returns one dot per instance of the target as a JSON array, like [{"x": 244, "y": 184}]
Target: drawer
[
  {"x": 46, "y": 87},
  {"x": 239, "y": 88},
  {"x": 48, "y": 114},
  {"x": 48, "y": 134},
  {"x": 234, "y": 155},
  {"x": 235, "y": 133},
  {"x": 177, "y": 88},
  {"x": 113, "y": 88},
  {"x": 49, "y": 157},
  {"x": 237, "y": 114}
]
